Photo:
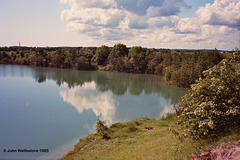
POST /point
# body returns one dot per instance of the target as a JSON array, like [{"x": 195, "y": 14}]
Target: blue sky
[{"x": 148, "y": 23}]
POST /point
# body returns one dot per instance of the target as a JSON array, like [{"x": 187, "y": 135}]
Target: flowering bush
[{"x": 213, "y": 103}]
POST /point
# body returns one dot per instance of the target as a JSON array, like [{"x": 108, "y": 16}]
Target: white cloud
[
  {"x": 155, "y": 23},
  {"x": 152, "y": 7},
  {"x": 78, "y": 4},
  {"x": 188, "y": 26},
  {"x": 221, "y": 12},
  {"x": 94, "y": 16},
  {"x": 63, "y": 1},
  {"x": 137, "y": 22},
  {"x": 84, "y": 15},
  {"x": 138, "y": 7},
  {"x": 168, "y": 8},
  {"x": 160, "y": 22},
  {"x": 86, "y": 97}
]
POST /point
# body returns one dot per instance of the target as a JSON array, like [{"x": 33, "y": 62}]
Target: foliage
[
  {"x": 101, "y": 55},
  {"x": 119, "y": 50},
  {"x": 180, "y": 68},
  {"x": 213, "y": 103},
  {"x": 102, "y": 129},
  {"x": 87, "y": 53},
  {"x": 116, "y": 57},
  {"x": 137, "y": 60},
  {"x": 4, "y": 57}
]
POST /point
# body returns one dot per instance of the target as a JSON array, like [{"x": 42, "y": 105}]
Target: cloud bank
[
  {"x": 222, "y": 13},
  {"x": 156, "y": 22}
]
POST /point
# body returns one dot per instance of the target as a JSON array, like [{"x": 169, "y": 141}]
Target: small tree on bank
[{"x": 102, "y": 129}]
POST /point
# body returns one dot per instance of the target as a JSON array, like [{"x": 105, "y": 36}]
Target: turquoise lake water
[{"x": 49, "y": 110}]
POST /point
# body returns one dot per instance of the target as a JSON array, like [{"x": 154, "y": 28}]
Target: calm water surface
[{"x": 44, "y": 108}]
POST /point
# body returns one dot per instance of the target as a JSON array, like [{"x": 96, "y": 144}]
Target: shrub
[
  {"x": 213, "y": 103},
  {"x": 102, "y": 129}
]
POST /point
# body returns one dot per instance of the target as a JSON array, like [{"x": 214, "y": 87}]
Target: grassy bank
[{"x": 144, "y": 139}]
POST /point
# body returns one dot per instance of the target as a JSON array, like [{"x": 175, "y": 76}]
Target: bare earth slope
[{"x": 222, "y": 152}]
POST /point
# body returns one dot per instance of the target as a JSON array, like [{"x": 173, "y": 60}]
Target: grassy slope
[{"x": 159, "y": 143}]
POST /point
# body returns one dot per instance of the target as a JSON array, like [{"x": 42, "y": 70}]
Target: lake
[{"x": 45, "y": 111}]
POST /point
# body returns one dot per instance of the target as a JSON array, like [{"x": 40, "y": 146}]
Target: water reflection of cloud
[
  {"x": 27, "y": 104},
  {"x": 167, "y": 109},
  {"x": 90, "y": 129},
  {"x": 86, "y": 97}
]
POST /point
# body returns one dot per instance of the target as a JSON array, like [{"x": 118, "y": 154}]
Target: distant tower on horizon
[{"x": 19, "y": 45}]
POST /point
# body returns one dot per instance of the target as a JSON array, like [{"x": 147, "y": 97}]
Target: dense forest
[{"x": 181, "y": 68}]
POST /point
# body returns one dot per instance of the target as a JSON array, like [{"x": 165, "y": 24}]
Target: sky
[{"x": 173, "y": 24}]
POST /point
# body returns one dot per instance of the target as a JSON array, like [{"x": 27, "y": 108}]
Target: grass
[{"x": 131, "y": 140}]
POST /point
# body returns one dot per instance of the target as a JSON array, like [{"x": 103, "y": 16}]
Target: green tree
[
  {"x": 57, "y": 58},
  {"x": 137, "y": 58},
  {"x": 213, "y": 105},
  {"x": 87, "y": 53},
  {"x": 82, "y": 63},
  {"x": 116, "y": 57},
  {"x": 33, "y": 59},
  {"x": 13, "y": 56},
  {"x": 102, "y": 129},
  {"x": 155, "y": 64},
  {"x": 119, "y": 50},
  {"x": 101, "y": 55},
  {"x": 149, "y": 55},
  {"x": 4, "y": 57},
  {"x": 70, "y": 58}
]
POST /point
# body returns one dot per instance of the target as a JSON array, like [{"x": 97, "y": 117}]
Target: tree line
[{"x": 181, "y": 68}]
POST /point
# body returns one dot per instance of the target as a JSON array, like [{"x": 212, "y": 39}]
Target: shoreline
[
  {"x": 146, "y": 138},
  {"x": 161, "y": 76},
  {"x": 165, "y": 116}
]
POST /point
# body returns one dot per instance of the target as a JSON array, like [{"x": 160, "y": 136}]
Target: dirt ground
[{"x": 222, "y": 152}]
